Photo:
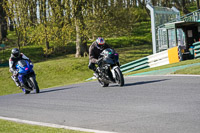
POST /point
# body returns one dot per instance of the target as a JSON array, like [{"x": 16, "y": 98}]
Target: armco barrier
[
  {"x": 196, "y": 49},
  {"x": 162, "y": 58},
  {"x": 4, "y": 65}
]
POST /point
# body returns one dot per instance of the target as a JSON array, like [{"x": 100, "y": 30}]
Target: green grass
[
  {"x": 13, "y": 127},
  {"x": 64, "y": 70},
  {"x": 55, "y": 72},
  {"x": 194, "y": 70},
  {"x": 188, "y": 70}
]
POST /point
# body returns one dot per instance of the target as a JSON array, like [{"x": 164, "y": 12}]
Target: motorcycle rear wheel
[
  {"x": 103, "y": 84},
  {"x": 119, "y": 77},
  {"x": 25, "y": 91}
]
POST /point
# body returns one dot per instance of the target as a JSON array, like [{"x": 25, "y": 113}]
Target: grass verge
[
  {"x": 189, "y": 70},
  {"x": 13, "y": 127},
  {"x": 64, "y": 70}
]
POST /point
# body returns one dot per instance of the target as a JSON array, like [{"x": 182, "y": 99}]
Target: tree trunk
[
  {"x": 78, "y": 39},
  {"x": 81, "y": 43},
  {"x": 197, "y": 4},
  {"x": 184, "y": 8},
  {"x": 128, "y": 4},
  {"x": 11, "y": 26},
  {"x": 153, "y": 2},
  {"x": 41, "y": 11},
  {"x": 45, "y": 25},
  {"x": 0, "y": 34},
  {"x": 3, "y": 22},
  {"x": 33, "y": 15}
]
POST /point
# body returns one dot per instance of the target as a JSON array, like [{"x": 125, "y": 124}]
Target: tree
[
  {"x": 56, "y": 23},
  {"x": 3, "y": 22},
  {"x": 198, "y": 7},
  {"x": 181, "y": 5},
  {"x": 33, "y": 9},
  {"x": 81, "y": 41}
]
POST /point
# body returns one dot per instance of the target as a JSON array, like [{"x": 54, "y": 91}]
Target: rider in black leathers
[{"x": 94, "y": 52}]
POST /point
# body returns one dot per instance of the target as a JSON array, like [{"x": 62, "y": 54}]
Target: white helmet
[{"x": 100, "y": 41}]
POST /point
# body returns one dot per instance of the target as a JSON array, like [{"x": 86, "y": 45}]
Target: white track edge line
[
  {"x": 168, "y": 75},
  {"x": 53, "y": 125}
]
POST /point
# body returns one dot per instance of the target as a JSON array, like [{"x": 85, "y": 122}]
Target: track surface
[{"x": 149, "y": 104}]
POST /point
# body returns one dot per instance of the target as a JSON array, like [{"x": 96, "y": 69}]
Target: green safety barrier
[
  {"x": 133, "y": 62},
  {"x": 146, "y": 62},
  {"x": 138, "y": 68},
  {"x": 135, "y": 65},
  {"x": 196, "y": 49},
  {"x": 4, "y": 65},
  {"x": 2, "y": 45}
]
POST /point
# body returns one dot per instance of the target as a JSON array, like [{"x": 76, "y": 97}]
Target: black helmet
[{"x": 15, "y": 52}]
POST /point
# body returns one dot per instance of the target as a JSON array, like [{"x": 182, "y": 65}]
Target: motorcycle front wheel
[
  {"x": 119, "y": 77},
  {"x": 34, "y": 84}
]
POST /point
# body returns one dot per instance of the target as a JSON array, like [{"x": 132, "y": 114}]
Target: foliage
[{"x": 55, "y": 23}]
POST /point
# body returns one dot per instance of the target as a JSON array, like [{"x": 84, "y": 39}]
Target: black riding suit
[{"x": 94, "y": 53}]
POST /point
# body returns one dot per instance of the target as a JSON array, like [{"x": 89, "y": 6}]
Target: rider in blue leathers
[{"x": 15, "y": 57}]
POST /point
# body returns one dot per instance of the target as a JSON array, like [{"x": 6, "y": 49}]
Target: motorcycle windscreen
[
  {"x": 22, "y": 63},
  {"x": 109, "y": 61},
  {"x": 22, "y": 66}
]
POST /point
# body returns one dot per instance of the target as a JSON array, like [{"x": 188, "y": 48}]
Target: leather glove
[
  {"x": 99, "y": 61},
  {"x": 15, "y": 73}
]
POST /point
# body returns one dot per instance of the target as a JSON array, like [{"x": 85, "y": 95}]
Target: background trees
[
  {"x": 57, "y": 23},
  {"x": 3, "y": 22}
]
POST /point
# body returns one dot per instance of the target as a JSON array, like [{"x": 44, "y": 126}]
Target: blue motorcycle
[{"x": 26, "y": 76}]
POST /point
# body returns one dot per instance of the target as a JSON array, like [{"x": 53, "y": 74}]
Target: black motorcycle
[{"x": 108, "y": 68}]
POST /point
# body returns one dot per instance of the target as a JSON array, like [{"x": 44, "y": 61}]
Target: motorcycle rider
[
  {"x": 94, "y": 52},
  {"x": 14, "y": 58}
]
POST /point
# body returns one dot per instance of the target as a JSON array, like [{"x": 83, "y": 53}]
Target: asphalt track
[{"x": 146, "y": 104}]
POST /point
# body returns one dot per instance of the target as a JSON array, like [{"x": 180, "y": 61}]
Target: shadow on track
[
  {"x": 144, "y": 82},
  {"x": 52, "y": 90}
]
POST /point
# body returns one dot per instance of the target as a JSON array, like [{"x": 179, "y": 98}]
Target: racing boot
[
  {"x": 96, "y": 73},
  {"x": 14, "y": 78}
]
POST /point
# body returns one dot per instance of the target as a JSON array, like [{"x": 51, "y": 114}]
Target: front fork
[
  {"x": 113, "y": 72},
  {"x": 21, "y": 80}
]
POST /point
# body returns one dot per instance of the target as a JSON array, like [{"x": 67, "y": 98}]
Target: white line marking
[
  {"x": 53, "y": 125},
  {"x": 168, "y": 75}
]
